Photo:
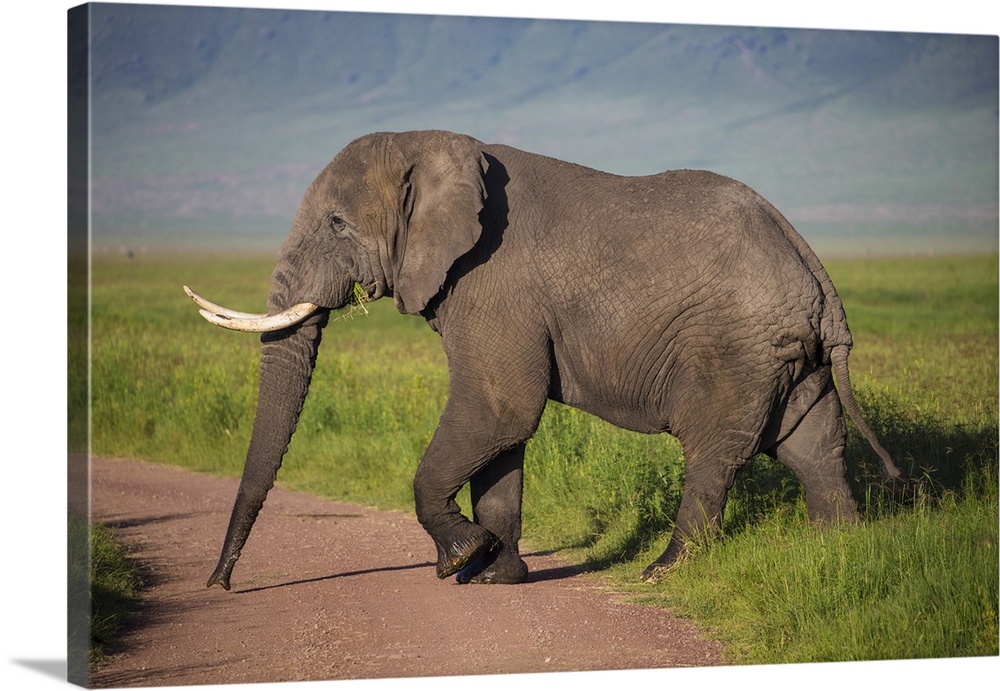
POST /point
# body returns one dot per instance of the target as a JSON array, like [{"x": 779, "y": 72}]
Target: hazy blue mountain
[{"x": 208, "y": 123}]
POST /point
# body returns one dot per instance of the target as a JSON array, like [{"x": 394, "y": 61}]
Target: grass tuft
[{"x": 114, "y": 585}]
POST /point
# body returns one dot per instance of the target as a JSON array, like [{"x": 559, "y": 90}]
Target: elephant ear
[{"x": 442, "y": 195}]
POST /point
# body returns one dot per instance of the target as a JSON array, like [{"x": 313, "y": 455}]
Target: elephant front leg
[
  {"x": 496, "y": 505},
  {"x": 459, "y": 541},
  {"x": 496, "y": 397},
  {"x": 481, "y": 440},
  {"x": 451, "y": 460}
]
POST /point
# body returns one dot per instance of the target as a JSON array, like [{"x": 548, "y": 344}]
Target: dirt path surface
[{"x": 325, "y": 590}]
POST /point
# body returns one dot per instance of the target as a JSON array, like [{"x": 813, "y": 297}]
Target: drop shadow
[
  {"x": 124, "y": 524},
  {"x": 555, "y": 573},
  {"x": 334, "y": 576},
  {"x": 559, "y": 573},
  {"x": 942, "y": 458},
  {"x": 57, "y": 669}
]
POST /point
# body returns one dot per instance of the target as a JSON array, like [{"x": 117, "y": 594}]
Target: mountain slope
[{"x": 211, "y": 121}]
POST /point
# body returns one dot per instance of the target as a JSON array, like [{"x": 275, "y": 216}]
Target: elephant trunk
[
  {"x": 306, "y": 285},
  {"x": 287, "y": 362}
]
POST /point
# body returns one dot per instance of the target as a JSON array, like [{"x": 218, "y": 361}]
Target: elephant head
[{"x": 392, "y": 213}]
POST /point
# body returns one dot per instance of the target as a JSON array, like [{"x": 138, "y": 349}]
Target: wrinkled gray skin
[{"x": 681, "y": 302}]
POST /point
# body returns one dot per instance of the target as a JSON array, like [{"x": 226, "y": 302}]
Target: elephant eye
[{"x": 338, "y": 225}]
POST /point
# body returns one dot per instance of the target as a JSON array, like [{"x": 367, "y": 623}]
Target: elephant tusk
[
  {"x": 219, "y": 309},
  {"x": 247, "y": 321}
]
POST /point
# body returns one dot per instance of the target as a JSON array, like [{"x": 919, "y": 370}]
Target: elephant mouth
[
  {"x": 373, "y": 291},
  {"x": 247, "y": 321}
]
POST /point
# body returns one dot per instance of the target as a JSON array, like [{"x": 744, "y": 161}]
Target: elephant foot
[
  {"x": 654, "y": 572},
  {"x": 498, "y": 566},
  {"x": 664, "y": 563},
  {"x": 467, "y": 543}
]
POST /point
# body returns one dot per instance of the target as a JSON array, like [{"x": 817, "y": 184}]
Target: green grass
[
  {"x": 110, "y": 587},
  {"x": 919, "y": 583},
  {"x": 170, "y": 388}
]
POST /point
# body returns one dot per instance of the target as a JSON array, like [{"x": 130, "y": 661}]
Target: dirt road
[{"x": 335, "y": 591}]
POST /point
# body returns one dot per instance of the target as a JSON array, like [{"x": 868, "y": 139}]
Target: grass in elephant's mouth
[
  {"x": 925, "y": 370},
  {"x": 357, "y": 306}
]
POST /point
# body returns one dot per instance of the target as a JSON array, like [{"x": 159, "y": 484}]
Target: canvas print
[{"x": 407, "y": 346}]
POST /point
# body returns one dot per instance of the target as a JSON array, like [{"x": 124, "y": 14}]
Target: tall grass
[
  {"x": 915, "y": 584},
  {"x": 108, "y": 591},
  {"x": 170, "y": 388}
]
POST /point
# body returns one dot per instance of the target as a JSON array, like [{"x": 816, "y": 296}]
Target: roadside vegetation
[
  {"x": 114, "y": 586},
  {"x": 912, "y": 580}
]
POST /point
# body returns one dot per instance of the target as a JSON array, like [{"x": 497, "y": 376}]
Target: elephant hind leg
[
  {"x": 718, "y": 436},
  {"x": 814, "y": 451},
  {"x": 702, "y": 504}
]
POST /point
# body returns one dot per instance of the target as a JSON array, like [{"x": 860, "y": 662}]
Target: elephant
[{"x": 681, "y": 302}]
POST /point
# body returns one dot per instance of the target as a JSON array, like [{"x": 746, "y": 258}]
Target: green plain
[{"x": 912, "y": 580}]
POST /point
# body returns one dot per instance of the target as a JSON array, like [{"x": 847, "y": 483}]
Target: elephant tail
[{"x": 841, "y": 373}]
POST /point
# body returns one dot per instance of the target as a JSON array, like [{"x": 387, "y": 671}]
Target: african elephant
[{"x": 681, "y": 302}]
